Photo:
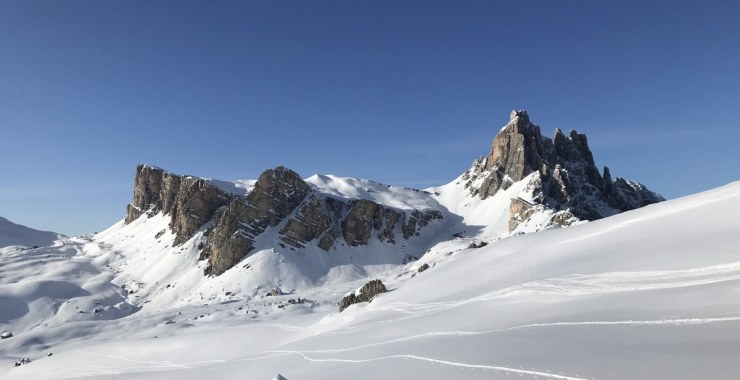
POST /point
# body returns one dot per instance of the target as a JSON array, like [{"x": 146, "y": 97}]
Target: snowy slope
[
  {"x": 401, "y": 198},
  {"x": 488, "y": 219},
  {"x": 12, "y": 234},
  {"x": 648, "y": 294}
]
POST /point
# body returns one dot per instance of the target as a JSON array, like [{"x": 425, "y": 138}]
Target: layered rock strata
[
  {"x": 280, "y": 200},
  {"x": 566, "y": 177},
  {"x": 364, "y": 294},
  {"x": 190, "y": 201}
]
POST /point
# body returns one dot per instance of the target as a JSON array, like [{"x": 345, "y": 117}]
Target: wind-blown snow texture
[{"x": 652, "y": 293}]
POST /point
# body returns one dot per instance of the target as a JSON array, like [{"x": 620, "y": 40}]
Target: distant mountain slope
[{"x": 16, "y": 234}]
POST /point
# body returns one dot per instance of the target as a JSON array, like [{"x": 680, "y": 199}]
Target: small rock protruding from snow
[
  {"x": 22, "y": 362},
  {"x": 279, "y": 377},
  {"x": 275, "y": 292},
  {"x": 474, "y": 245},
  {"x": 423, "y": 268},
  {"x": 6, "y": 335},
  {"x": 364, "y": 294}
]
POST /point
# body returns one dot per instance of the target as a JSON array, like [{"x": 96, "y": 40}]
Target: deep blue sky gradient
[{"x": 402, "y": 92}]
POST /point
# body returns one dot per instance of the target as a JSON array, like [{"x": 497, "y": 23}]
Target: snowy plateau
[{"x": 521, "y": 280}]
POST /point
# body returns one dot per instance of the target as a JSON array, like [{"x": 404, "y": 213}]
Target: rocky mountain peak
[
  {"x": 519, "y": 116},
  {"x": 566, "y": 175},
  {"x": 276, "y": 194},
  {"x": 190, "y": 201},
  {"x": 285, "y": 212},
  {"x": 232, "y": 224}
]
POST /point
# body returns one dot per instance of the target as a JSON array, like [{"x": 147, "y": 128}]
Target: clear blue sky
[{"x": 402, "y": 92}]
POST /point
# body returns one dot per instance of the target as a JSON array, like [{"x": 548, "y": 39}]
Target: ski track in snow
[
  {"x": 577, "y": 284},
  {"x": 141, "y": 364},
  {"x": 574, "y": 285},
  {"x": 673, "y": 322},
  {"x": 438, "y": 361},
  {"x": 587, "y": 284},
  {"x": 165, "y": 365}
]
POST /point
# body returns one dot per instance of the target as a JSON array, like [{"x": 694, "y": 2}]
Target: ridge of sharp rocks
[
  {"x": 280, "y": 202},
  {"x": 561, "y": 172}
]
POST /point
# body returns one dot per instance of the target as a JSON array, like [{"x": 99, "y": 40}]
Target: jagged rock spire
[{"x": 567, "y": 177}]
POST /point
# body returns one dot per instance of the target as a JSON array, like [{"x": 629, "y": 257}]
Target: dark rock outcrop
[
  {"x": 567, "y": 177},
  {"x": 365, "y": 217},
  {"x": 417, "y": 220},
  {"x": 365, "y": 294},
  {"x": 313, "y": 219}
]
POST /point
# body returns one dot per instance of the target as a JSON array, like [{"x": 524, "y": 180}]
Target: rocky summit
[
  {"x": 280, "y": 200},
  {"x": 561, "y": 172},
  {"x": 556, "y": 182},
  {"x": 191, "y": 201}
]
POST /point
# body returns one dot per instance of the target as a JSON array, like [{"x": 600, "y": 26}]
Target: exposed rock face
[
  {"x": 520, "y": 210},
  {"x": 566, "y": 176},
  {"x": 365, "y": 294},
  {"x": 238, "y": 220},
  {"x": 277, "y": 193},
  {"x": 190, "y": 201},
  {"x": 314, "y": 218},
  {"x": 280, "y": 198},
  {"x": 419, "y": 219},
  {"x": 364, "y": 217}
]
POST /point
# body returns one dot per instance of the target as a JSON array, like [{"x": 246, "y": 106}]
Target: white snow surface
[
  {"x": 392, "y": 196},
  {"x": 652, "y": 293},
  {"x": 15, "y": 236}
]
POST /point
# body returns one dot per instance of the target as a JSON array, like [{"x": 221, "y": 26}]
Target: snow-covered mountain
[
  {"x": 526, "y": 183},
  {"x": 243, "y": 278},
  {"x": 647, "y": 294},
  {"x": 16, "y": 236}
]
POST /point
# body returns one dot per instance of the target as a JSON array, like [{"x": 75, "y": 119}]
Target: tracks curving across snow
[{"x": 438, "y": 361}]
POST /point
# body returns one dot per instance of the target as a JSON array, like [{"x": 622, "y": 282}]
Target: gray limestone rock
[
  {"x": 281, "y": 199},
  {"x": 519, "y": 211},
  {"x": 365, "y": 294},
  {"x": 313, "y": 219},
  {"x": 276, "y": 194},
  {"x": 417, "y": 220},
  {"x": 566, "y": 175},
  {"x": 191, "y": 202},
  {"x": 365, "y": 217}
]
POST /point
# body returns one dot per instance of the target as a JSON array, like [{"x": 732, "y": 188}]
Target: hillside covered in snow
[
  {"x": 531, "y": 264},
  {"x": 645, "y": 294}
]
